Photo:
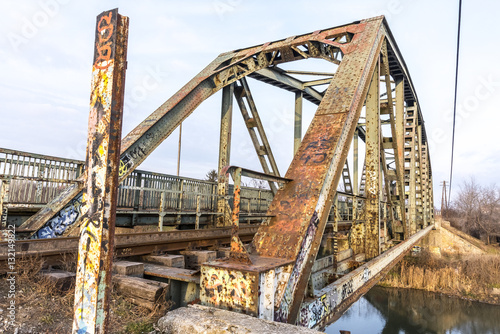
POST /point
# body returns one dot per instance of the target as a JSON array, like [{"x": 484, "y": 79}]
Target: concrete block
[
  {"x": 129, "y": 268},
  {"x": 201, "y": 319},
  {"x": 194, "y": 259},
  {"x": 63, "y": 279},
  {"x": 176, "y": 261}
]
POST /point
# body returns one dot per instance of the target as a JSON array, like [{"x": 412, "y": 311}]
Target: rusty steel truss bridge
[{"x": 321, "y": 235}]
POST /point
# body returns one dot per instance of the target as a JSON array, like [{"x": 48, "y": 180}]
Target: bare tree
[
  {"x": 478, "y": 209},
  {"x": 260, "y": 184},
  {"x": 211, "y": 175}
]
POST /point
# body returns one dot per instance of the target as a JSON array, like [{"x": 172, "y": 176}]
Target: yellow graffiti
[{"x": 123, "y": 168}]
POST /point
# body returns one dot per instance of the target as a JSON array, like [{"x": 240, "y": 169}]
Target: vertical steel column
[
  {"x": 297, "y": 129},
  {"x": 356, "y": 163},
  {"x": 418, "y": 184},
  {"x": 395, "y": 143},
  {"x": 223, "y": 218},
  {"x": 179, "y": 204},
  {"x": 197, "y": 221},
  {"x": 431, "y": 199},
  {"x": 256, "y": 131},
  {"x": 425, "y": 184},
  {"x": 95, "y": 250},
  {"x": 372, "y": 234},
  {"x": 411, "y": 170},
  {"x": 355, "y": 185},
  {"x": 238, "y": 251},
  {"x": 161, "y": 214},
  {"x": 400, "y": 123},
  {"x": 39, "y": 184},
  {"x": 179, "y": 151},
  {"x": 138, "y": 192}
]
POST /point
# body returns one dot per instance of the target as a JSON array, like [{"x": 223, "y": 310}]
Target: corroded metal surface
[
  {"x": 238, "y": 251},
  {"x": 300, "y": 210},
  {"x": 256, "y": 130},
  {"x": 302, "y": 206},
  {"x": 224, "y": 154},
  {"x": 230, "y": 289},
  {"x": 332, "y": 301},
  {"x": 131, "y": 244},
  {"x": 95, "y": 251},
  {"x": 240, "y": 286},
  {"x": 229, "y": 67},
  {"x": 373, "y": 133}
]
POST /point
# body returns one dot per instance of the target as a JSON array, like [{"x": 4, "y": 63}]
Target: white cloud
[{"x": 45, "y": 84}]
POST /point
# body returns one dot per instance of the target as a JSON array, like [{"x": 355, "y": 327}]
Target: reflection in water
[{"x": 388, "y": 311}]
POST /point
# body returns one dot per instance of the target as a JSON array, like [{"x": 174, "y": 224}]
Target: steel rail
[{"x": 130, "y": 244}]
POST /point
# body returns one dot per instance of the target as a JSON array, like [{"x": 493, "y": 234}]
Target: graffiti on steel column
[
  {"x": 137, "y": 152},
  {"x": 366, "y": 275},
  {"x": 310, "y": 315},
  {"x": 315, "y": 151},
  {"x": 58, "y": 224},
  {"x": 125, "y": 164},
  {"x": 282, "y": 313},
  {"x": 103, "y": 48},
  {"x": 94, "y": 251},
  {"x": 347, "y": 289}
]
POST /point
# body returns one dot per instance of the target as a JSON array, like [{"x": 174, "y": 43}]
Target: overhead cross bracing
[{"x": 396, "y": 199}]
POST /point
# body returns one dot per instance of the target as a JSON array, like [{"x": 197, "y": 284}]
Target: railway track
[{"x": 126, "y": 245}]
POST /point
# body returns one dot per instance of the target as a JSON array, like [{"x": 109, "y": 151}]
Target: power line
[{"x": 455, "y": 101}]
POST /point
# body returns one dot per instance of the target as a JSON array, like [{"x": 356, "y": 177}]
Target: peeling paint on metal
[{"x": 96, "y": 244}]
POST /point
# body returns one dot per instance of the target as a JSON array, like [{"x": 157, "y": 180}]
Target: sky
[{"x": 46, "y": 51}]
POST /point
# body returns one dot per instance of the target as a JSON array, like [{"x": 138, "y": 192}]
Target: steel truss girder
[
  {"x": 301, "y": 208},
  {"x": 256, "y": 130},
  {"x": 329, "y": 44}
]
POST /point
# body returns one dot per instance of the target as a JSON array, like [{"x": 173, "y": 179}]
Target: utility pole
[{"x": 179, "y": 151}]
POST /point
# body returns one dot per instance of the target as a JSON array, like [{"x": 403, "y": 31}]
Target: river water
[{"x": 399, "y": 311}]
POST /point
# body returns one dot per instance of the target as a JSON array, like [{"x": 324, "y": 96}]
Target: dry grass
[
  {"x": 41, "y": 306},
  {"x": 471, "y": 276}
]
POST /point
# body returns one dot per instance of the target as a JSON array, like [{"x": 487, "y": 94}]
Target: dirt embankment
[
  {"x": 474, "y": 277},
  {"x": 41, "y": 306}
]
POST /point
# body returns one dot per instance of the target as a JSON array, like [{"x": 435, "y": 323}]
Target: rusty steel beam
[
  {"x": 256, "y": 130},
  {"x": 397, "y": 144},
  {"x": 238, "y": 251},
  {"x": 410, "y": 138},
  {"x": 301, "y": 208},
  {"x": 297, "y": 126},
  {"x": 95, "y": 250},
  {"x": 224, "y": 155},
  {"x": 372, "y": 160},
  {"x": 333, "y": 300},
  {"x": 400, "y": 133},
  {"x": 131, "y": 243},
  {"x": 224, "y": 70},
  {"x": 418, "y": 169},
  {"x": 279, "y": 78}
]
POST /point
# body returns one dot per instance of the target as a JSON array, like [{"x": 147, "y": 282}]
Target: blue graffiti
[{"x": 57, "y": 225}]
